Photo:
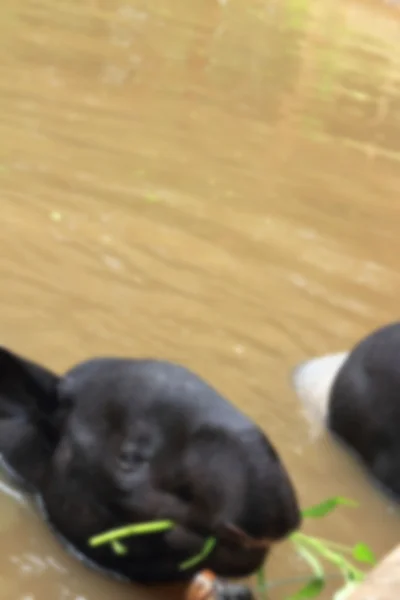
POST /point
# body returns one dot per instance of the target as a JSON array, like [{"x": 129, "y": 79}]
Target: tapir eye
[{"x": 185, "y": 492}]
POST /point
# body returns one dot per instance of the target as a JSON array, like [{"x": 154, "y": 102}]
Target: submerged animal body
[
  {"x": 117, "y": 441},
  {"x": 356, "y": 395}
]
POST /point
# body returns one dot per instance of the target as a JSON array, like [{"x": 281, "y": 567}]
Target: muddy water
[{"x": 211, "y": 182}]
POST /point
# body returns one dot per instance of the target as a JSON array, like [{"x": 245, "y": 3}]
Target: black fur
[
  {"x": 117, "y": 441},
  {"x": 364, "y": 408}
]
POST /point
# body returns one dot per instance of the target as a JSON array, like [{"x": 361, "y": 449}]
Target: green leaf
[
  {"x": 364, "y": 554},
  {"x": 324, "y": 508},
  {"x": 312, "y": 589}
]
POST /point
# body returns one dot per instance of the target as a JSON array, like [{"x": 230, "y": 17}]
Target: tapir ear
[{"x": 28, "y": 414}]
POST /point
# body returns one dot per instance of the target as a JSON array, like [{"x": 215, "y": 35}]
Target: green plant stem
[
  {"x": 300, "y": 579},
  {"x": 119, "y": 548},
  {"x": 341, "y": 547},
  {"x": 204, "y": 552},
  {"x": 129, "y": 531},
  {"x": 300, "y": 539},
  {"x": 262, "y": 585}
]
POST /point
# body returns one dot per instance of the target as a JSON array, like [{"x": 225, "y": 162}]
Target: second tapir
[{"x": 356, "y": 394}]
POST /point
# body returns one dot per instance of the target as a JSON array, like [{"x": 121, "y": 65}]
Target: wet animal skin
[
  {"x": 117, "y": 441},
  {"x": 356, "y": 395}
]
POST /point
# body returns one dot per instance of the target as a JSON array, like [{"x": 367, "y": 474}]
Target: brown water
[{"x": 212, "y": 182}]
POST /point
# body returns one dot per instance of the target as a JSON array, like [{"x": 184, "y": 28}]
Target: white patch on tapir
[{"x": 313, "y": 381}]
